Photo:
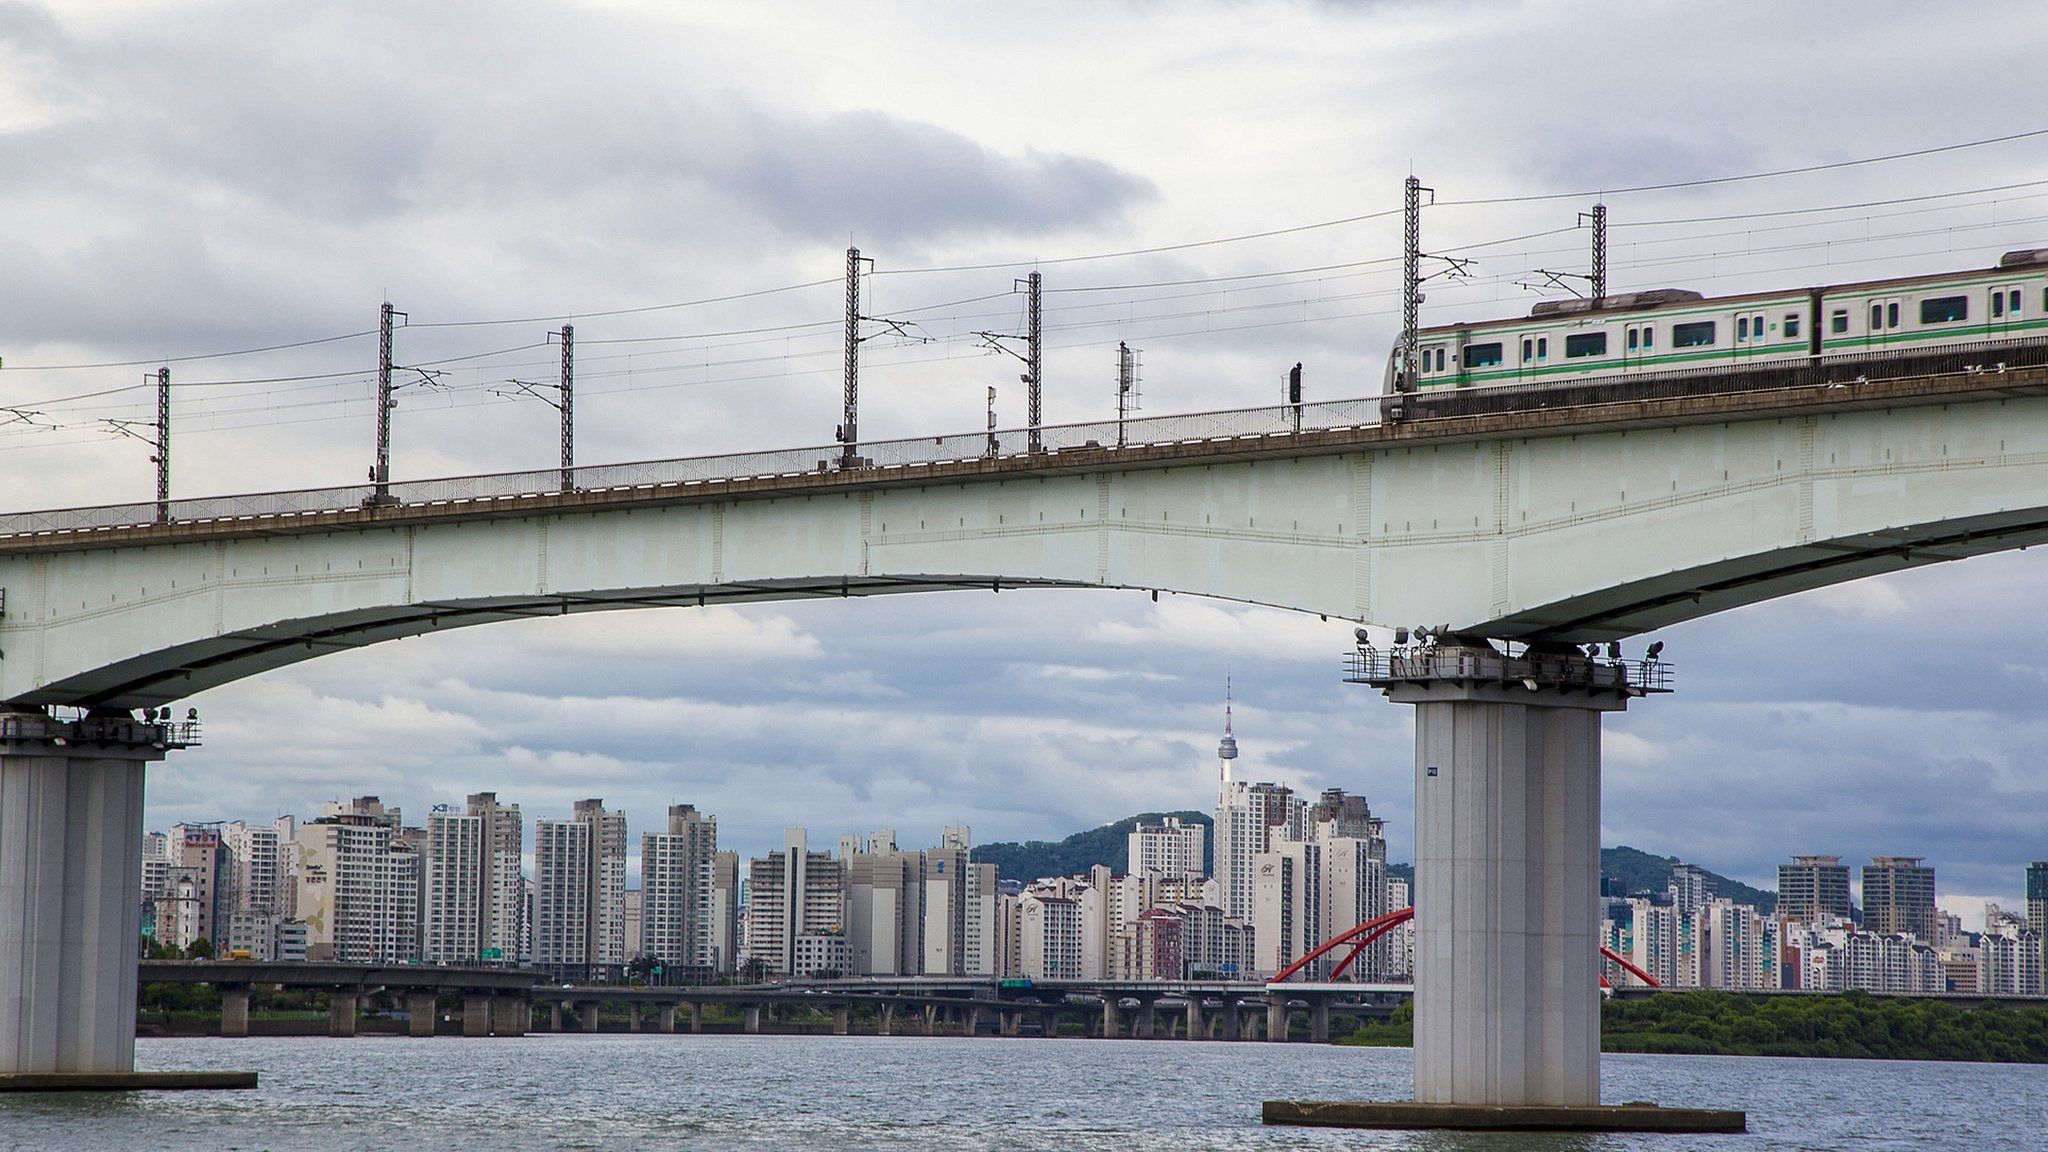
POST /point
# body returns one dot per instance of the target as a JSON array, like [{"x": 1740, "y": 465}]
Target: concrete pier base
[
  {"x": 420, "y": 1011},
  {"x": 476, "y": 1014},
  {"x": 753, "y": 1015},
  {"x": 1513, "y": 1118},
  {"x": 1276, "y": 1018},
  {"x": 1197, "y": 1028},
  {"x": 511, "y": 1015},
  {"x": 842, "y": 1020},
  {"x": 696, "y": 1017},
  {"x": 668, "y": 1017},
  {"x": 70, "y": 884},
  {"x": 341, "y": 1013},
  {"x": 123, "y": 1081},
  {"x": 1112, "y": 1018},
  {"x": 234, "y": 1012}
]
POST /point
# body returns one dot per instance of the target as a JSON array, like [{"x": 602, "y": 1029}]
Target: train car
[{"x": 1573, "y": 352}]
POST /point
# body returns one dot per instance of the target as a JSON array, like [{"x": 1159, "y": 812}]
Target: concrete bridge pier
[
  {"x": 1319, "y": 1020},
  {"x": 555, "y": 1016},
  {"x": 1233, "y": 1024},
  {"x": 1112, "y": 1018},
  {"x": 234, "y": 1011},
  {"x": 1198, "y": 1029},
  {"x": 753, "y": 1018},
  {"x": 476, "y": 1014},
  {"x": 420, "y": 1012},
  {"x": 696, "y": 1017},
  {"x": 842, "y": 1020},
  {"x": 342, "y": 1005},
  {"x": 885, "y": 1018},
  {"x": 586, "y": 1014},
  {"x": 511, "y": 1015},
  {"x": 668, "y": 1018},
  {"x": 931, "y": 1019},
  {"x": 1507, "y": 868},
  {"x": 70, "y": 882},
  {"x": 632, "y": 1016},
  {"x": 1276, "y": 1018}
]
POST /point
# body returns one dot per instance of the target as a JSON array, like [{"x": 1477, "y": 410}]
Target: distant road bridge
[{"x": 1579, "y": 524}]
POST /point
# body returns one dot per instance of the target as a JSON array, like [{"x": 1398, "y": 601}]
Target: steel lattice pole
[
  {"x": 1599, "y": 254},
  {"x": 163, "y": 444},
  {"x": 849, "y": 428},
  {"x": 1033, "y": 347},
  {"x": 1411, "y": 279},
  {"x": 568, "y": 406},
  {"x": 381, "y": 474}
]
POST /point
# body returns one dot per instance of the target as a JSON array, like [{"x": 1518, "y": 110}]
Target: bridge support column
[
  {"x": 420, "y": 1011},
  {"x": 885, "y": 1016},
  {"x": 668, "y": 1017},
  {"x": 842, "y": 1020},
  {"x": 696, "y": 1017},
  {"x": 511, "y": 1015},
  {"x": 753, "y": 1015},
  {"x": 1319, "y": 1020},
  {"x": 1507, "y": 867},
  {"x": 70, "y": 884},
  {"x": 341, "y": 1012},
  {"x": 586, "y": 1014},
  {"x": 234, "y": 1012},
  {"x": 1276, "y": 1018},
  {"x": 1198, "y": 1029},
  {"x": 632, "y": 1016},
  {"x": 555, "y": 1016},
  {"x": 1233, "y": 1024},
  {"x": 1112, "y": 1018},
  {"x": 476, "y": 1014},
  {"x": 931, "y": 1019}
]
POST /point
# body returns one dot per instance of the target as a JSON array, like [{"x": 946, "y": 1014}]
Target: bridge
[
  {"x": 1516, "y": 535},
  {"x": 501, "y": 1001}
]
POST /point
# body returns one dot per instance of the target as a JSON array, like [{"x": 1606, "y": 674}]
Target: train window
[
  {"x": 1876, "y": 317},
  {"x": 1742, "y": 328},
  {"x": 1891, "y": 315},
  {"x": 1633, "y": 339},
  {"x": 1694, "y": 335},
  {"x": 1997, "y": 305},
  {"x": 1649, "y": 337},
  {"x": 1439, "y": 359},
  {"x": 1528, "y": 350},
  {"x": 2014, "y": 308},
  {"x": 1482, "y": 355},
  {"x": 1543, "y": 347},
  {"x": 1943, "y": 309},
  {"x": 1586, "y": 344},
  {"x": 1791, "y": 325},
  {"x": 1839, "y": 322}
]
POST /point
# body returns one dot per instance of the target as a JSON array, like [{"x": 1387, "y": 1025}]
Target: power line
[
  {"x": 1713, "y": 180},
  {"x": 196, "y": 356},
  {"x": 1832, "y": 207},
  {"x": 629, "y": 311}
]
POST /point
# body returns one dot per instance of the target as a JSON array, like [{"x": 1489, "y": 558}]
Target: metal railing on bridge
[{"x": 880, "y": 456}]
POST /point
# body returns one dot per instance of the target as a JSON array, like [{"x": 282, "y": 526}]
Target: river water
[{"x": 847, "y": 1093}]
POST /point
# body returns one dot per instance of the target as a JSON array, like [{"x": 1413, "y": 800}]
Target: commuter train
[{"x": 1672, "y": 341}]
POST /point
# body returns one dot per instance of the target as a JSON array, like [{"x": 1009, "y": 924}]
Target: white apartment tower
[
  {"x": 676, "y": 890},
  {"x": 474, "y": 881},
  {"x": 793, "y": 896},
  {"x": 579, "y": 868},
  {"x": 357, "y": 886},
  {"x": 1170, "y": 847}
]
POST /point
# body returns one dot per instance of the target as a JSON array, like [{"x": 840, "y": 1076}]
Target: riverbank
[{"x": 1848, "y": 1026}]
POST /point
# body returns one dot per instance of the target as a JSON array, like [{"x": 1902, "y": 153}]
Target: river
[{"x": 844, "y": 1093}]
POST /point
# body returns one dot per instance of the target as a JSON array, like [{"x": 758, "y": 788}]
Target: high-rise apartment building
[
  {"x": 357, "y": 883},
  {"x": 1287, "y": 907},
  {"x": 198, "y": 850},
  {"x": 1814, "y": 888},
  {"x": 675, "y": 882},
  {"x": 579, "y": 867},
  {"x": 472, "y": 880},
  {"x": 721, "y": 923},
  {"x": 1898, "y": 896},
  {"x": 1048, "y": 937},
  {"x": 793, "y": 895},
  {"x": 2037, "y": 897},
  {"x": 1687, "y": 888},
  {"x": 255, "y": 861},
  {"x": 1171, "y": 847},
  {"x": 1250, "y": 819}
]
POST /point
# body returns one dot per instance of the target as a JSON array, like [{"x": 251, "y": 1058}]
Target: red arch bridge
[{"x": 1363, "y": 936}]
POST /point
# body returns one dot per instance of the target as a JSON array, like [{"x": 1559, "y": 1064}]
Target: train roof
[{"x": 1654, "y": 299}]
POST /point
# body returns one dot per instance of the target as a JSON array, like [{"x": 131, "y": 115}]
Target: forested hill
[
  {"x": 1627, "y": 869},
  {"x": 1109, "y": 844}
]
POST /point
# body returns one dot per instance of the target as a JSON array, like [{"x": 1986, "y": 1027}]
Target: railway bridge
[{"x": 1515, "y": 536}]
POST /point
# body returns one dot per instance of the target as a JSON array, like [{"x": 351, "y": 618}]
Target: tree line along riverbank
[{"x": 1852, "y": 1025}]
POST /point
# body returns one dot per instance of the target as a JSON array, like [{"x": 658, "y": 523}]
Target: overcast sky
[{"x": 209, "y": 177}]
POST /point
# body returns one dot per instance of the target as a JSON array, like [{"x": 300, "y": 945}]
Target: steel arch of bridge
[{"x": 1362, "y": 937}]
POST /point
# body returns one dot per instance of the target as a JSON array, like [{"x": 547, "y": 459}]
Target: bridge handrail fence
[{"x": 879, "y": 456}]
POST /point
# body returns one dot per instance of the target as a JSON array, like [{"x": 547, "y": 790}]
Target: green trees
[{"x": 1852, "y": 1025}]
